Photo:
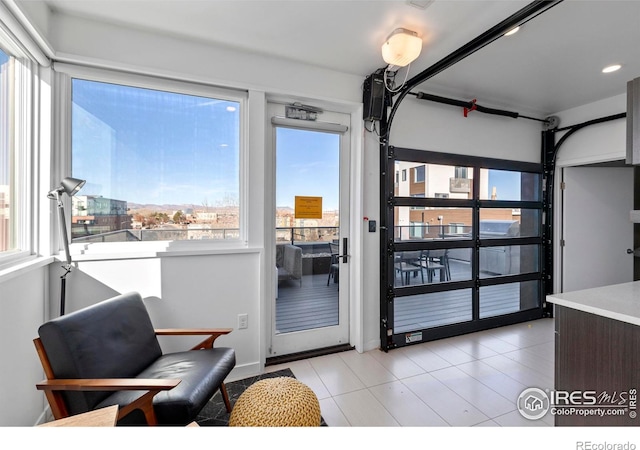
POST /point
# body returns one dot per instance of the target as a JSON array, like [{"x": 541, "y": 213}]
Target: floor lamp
[{"x": 69, "y": 186}]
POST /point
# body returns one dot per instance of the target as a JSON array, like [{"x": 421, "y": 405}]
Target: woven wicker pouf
[{"x": 276, "y": 402}]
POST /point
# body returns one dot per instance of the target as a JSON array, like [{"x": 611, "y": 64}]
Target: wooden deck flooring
[
  {"x": 315, "y": 305},
  {"x": 312, "y": 305}
]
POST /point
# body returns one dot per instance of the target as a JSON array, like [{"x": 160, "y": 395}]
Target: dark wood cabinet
[{"x": 596, "y": 357}]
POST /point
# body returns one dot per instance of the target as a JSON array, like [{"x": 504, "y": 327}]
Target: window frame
[
  {"x": 25, "y": 110},
  {"x": 66, "y": 73}
]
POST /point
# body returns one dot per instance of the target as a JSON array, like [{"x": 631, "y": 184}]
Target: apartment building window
[
  {"x": 461, "y": 172},
  {"x": 162, "y": 163},
  {"x": 404, "y": 174},
  {"x": 419, "y": 174}
]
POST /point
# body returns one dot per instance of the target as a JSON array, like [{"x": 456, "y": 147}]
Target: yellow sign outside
[{"x": 308, "y": 207}]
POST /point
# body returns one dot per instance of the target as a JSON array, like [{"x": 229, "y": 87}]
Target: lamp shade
[
  {"x": 71, "y": 185},
  {"x": 401, "y": 48}
]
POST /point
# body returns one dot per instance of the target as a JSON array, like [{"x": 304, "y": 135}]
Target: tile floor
[{"x": 471, "y": 380}]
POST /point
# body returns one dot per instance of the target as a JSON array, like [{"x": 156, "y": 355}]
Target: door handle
[
  {"x": 344, "y": 255},
  {"x": 630, "y": 251}
]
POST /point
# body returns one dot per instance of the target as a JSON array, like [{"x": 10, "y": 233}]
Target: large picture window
[{"x": 159, "y": 164}]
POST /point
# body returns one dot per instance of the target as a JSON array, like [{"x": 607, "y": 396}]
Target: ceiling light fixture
[
  {"x": 402, "y": 47},
  {"x": 512, "y": 31},
  {"x": 611, "y": 68},
  {"x": 420, "y": 4}
]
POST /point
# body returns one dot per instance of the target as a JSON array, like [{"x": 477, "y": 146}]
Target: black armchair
[{"x": 108, "y": 353}]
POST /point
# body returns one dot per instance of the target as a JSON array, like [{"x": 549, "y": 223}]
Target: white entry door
[
  {"x": 596, "y": 227},
  {"x": 310, "y": 304}
]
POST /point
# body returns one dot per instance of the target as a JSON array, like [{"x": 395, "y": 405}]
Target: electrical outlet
[{"x": 243, "y": 321}]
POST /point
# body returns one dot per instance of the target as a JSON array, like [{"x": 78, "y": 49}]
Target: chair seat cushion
[{"x": 201, "y": 371}]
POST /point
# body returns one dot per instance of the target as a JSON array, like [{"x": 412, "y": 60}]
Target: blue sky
[
  {"x": 157, "y": 147},
  {"x": 507, "y": 184},
  {"x": 307, "y": 164}
]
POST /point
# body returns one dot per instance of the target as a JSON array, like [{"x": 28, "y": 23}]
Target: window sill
[
  {"x": 155, "y": 250},
  {"x": 23, "y": 267}
]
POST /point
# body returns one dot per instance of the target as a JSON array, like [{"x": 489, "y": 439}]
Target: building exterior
[
  {"x": 439, "y": 181},
  {"x": 93, "y": 214}
]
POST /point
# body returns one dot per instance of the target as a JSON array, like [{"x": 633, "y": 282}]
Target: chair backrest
[
  {"x": 111, "y": 339},
  {"x": 335, "y": 248},
  {"x": 411, "y": 256}
]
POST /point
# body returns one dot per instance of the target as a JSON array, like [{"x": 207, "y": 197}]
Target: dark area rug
[{"x": 214, "y": 414}]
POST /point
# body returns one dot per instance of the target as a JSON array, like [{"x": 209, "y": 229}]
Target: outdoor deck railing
[{"x": 293, "y": 235}]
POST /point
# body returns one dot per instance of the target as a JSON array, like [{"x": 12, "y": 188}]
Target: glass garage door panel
[
  {"x": 419, "y": 179},
  {"x": 420, "y": 267},
  {"x": 509, "y": 185},
  {"x": 500, "y": 223},
  {"x": 509, "y": 260},
  {"x": 418, "y": 312},
  {"x": 413, "y": 223},
  {"x": 509, "y": 298}
]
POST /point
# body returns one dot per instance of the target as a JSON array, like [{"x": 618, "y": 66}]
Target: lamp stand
[{"x": 65, "y": 241}]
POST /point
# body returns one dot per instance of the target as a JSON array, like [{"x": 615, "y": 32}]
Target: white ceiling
[{"x": 552, "y": 64}]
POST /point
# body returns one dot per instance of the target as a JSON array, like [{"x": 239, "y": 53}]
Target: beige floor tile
[
  {"x": 447, "y": 404},
  {"x": 397, "y": 363},
  {"x": 362, "y": 409},
  {"x": 450, "y": 353},
  {"x": 424, "y": 357},
  {"x": 304, "y": 371},
  {"x": 406, "y": 407},
  {"x": 367, "y": 368},
  {"x": 471, "y": 346},
  {"x": 520, "y": 373},
  {"x": 336, "y": 375},
  {"x": 491, "y": 377},
  {"x": 332, "y": 414},
  {"x": 532, "y": 361},
  {"x": 482, "y": 397},
  {"x": 515, "y": 419}
]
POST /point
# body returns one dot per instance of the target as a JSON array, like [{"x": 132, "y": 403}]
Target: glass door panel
[
  {"x": 307, "y": 229},
  {"x": 310, "y": 305}
]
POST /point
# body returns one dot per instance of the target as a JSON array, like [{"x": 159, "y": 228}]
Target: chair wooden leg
[{"x": 225, "y": 397}]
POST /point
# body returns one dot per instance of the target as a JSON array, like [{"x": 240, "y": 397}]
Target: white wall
[
  {"x": 595, "y": 143},
  {"x": 435, "y": 127},
  {"x": 22, "y": 310}
]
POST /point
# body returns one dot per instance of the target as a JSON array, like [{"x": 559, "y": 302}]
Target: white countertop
[{"x": 619, "y": 301}]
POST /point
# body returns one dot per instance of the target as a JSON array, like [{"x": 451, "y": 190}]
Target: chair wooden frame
[{"x": 53, "y": 388}]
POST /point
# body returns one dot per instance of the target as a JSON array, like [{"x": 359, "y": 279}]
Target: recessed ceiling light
[
  {"x": 611, "y": 68},
  {"x": 512, "y": 31}
]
